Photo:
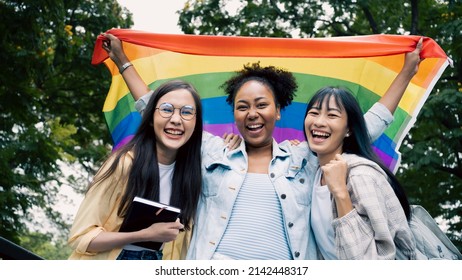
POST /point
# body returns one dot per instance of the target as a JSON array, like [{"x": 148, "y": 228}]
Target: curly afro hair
[{"x": 280, "y": 81}]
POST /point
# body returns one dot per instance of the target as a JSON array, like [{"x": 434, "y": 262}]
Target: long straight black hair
[
  {"x": 359, "y": 142},
  {"x": 143, "y": 175}
]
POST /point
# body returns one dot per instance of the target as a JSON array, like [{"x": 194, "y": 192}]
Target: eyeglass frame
[{"x": 162, "y": 113}]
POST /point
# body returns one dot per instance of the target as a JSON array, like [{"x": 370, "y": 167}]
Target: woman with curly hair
[{"x": 255, "y": 201}]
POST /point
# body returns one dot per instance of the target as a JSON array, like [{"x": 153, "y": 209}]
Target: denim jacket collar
[{"x": 226, "y": 158}]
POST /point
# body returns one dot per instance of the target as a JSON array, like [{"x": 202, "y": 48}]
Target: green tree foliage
[
  {"x": 431, "y": 168},
  {"x": 50, "y": 102},
  {"x": 40, "y": 244},
  {"x": 432, "y": 152},
  {"x": 251, "y": 18}
]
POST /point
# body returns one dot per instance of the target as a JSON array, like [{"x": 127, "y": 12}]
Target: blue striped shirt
[{"x": 256, "y": 226}]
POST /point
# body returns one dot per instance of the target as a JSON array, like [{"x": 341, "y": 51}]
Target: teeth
[
  {"x": 253, "y": 126},
  {"x": 319, "y": 133},
  {"x": 174, "y": 132}
]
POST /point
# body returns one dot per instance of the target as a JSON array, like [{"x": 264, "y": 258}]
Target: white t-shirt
[
  {"x": 165, "y": 190},
  {"x": 321, "y": 218},
  {"x": 165, "y": 183}
]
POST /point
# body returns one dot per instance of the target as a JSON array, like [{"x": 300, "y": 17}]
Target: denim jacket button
[
  {"x": 272, "y": 175},
  {"x": 302, "y": 180},
  {"x": 291, "y": 224},
  {"x": 283, "y": 196},
  {"x": 297, "y": 254}
]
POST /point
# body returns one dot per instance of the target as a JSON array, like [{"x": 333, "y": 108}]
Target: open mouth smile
[
  {"x": 254, "y": 127},
  {"x": 320, "y": 134},
  {"x": 174, "y": 132}
]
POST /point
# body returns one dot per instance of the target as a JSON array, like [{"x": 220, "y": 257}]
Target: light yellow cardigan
[{"x": 98, "y": 212}]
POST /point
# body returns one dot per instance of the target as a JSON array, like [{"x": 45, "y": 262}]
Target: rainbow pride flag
[{"x": 364, "y": 64}]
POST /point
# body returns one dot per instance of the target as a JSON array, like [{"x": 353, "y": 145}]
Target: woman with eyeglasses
[{"x": 161, "y": 163}]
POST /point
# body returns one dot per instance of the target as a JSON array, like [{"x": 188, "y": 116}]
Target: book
[{"x": 142, "y": 213}]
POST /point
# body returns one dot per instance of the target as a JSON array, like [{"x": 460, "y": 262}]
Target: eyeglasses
[{"x": 166, "y": 110}]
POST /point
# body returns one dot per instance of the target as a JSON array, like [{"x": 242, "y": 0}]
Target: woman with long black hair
[
  {"x": 160, "y": 163},
  {"x": 366, "y": 218}
]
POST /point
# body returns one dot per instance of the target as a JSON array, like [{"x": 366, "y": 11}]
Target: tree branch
[
  {"x": 275, "y": 7},
  {"x": 364, "y": 7},
  {"x": 454, "y": 171},
  {"x": 414, "y": 17}
]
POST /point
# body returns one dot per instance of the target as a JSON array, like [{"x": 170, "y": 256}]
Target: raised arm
[
  {"x": 380, "y": 115},
  {"x": 136, "y": 85},
  {"x": 395, "y": 92}
]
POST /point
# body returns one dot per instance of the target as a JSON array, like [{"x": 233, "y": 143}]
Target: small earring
[{"x": 347, "y": 135}]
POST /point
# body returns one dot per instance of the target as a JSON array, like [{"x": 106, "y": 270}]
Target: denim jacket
[
  {"x": 223, "y": 174},
  {"x": 291, "y": 170}
]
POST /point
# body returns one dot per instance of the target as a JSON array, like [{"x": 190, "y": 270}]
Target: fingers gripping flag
[{"x": 366, "y": 65}]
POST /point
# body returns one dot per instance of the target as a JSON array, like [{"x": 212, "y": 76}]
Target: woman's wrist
[
  {"x": 124, "y": 67},
  {"x": 341, "y": 194},
  {"x": 119, "y": 59}
]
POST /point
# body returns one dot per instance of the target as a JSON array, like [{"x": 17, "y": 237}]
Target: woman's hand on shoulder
[
  {"x": 231, "y": 140},
  {"x": 294, "y": 142}
]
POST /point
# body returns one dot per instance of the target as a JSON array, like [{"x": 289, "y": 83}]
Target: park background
[{"x": 52, "y": 130}]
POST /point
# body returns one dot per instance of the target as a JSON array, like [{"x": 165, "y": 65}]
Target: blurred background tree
[
  {"x": 431, "y": 166},
  {"x": 50, "y": 108}
]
